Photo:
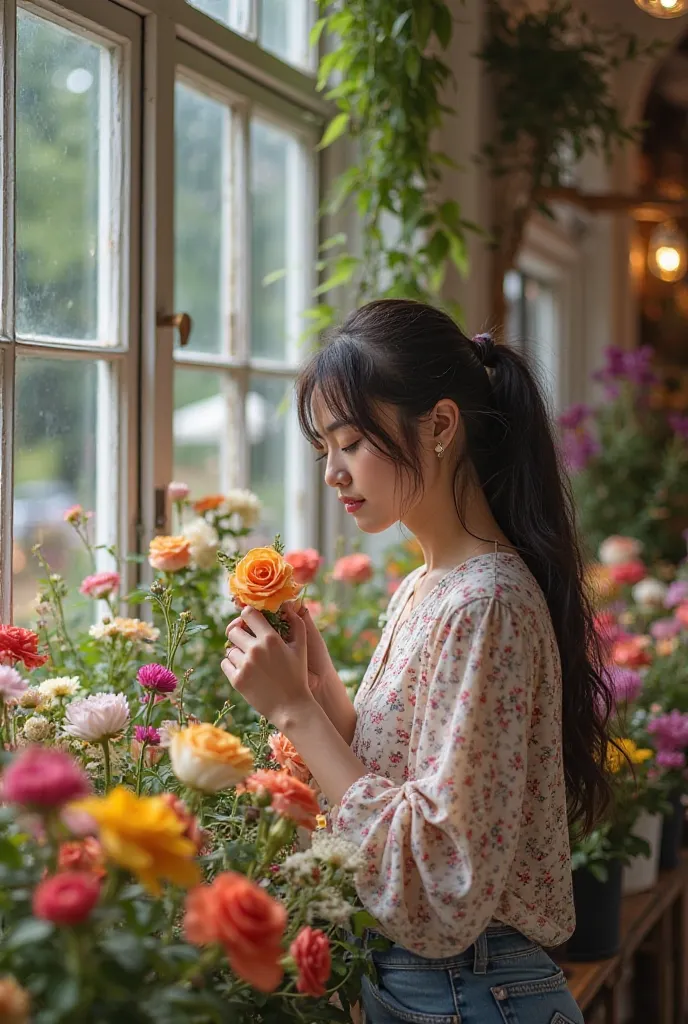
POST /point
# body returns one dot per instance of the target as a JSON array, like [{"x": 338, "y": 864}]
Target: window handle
[{"x": 182, "y": 322}]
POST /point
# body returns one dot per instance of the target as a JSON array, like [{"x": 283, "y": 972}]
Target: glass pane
[
  {"x": 55, "y": 468},
  {"x": 202, "y": 220},
  {"x": 206, "y": 456},
  {"x": 267, "y": 404},
  {"x": 234, "y": 13},
  {"x": 284, "y": 29},
  {"x": 63, "y": 239},
  {"x": 278, "y": 216}
]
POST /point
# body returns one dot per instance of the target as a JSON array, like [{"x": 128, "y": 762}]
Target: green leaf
[
  {"x": 332, "y": 242},
  {"x": 126, "y": 949},
  {"x": 334, "y": 130},
  {"x": 344, "y": 270},
  {"x": 422, "y": 24},
  {"x": 274, "y": 276},
  {"x": 412, "y": 63},
  {"x": 399, "y": 23},
  {"x": 362, "y": 920},
  {"x": 28, "y": 932},
  {"x": 316, "y": 32},
  {"x": 443, "y": 25},
  {"x": 458, "y": 252},
  {"x": 9, "y": 854}
]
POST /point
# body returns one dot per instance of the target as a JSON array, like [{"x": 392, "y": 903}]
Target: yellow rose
[
  {"x": 14, "y": 1002},
  {"x": 209, "y": 759},
  {"x": 143, "y": 835},
  {"x": 263, "y": 580},
  {"x": 616, "y": 759},
  {"x": 169, "y": 554}
]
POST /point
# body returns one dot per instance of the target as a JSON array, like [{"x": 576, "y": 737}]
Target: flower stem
[{"x": 106, "y": 758}]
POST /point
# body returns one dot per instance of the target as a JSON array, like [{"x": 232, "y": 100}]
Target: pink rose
[
  {"x": 305, "y": 564},
  {"x": 628, "y": 573},
  {"x": 43, "y": 778},
  {"x": 66, "y": 898},
  {"x": 356, "y": 568},
  {"x": 100, "y": 584},
  {"x": 177, "y": 491}
]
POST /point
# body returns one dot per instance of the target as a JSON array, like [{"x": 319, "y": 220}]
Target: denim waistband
[{"x": 497, "y": 942}]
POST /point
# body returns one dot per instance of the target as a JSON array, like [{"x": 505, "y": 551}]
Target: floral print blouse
[{"x": 462, "y": 816}]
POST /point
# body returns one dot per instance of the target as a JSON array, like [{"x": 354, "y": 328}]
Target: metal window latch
[{"x": 181, "y": 321}]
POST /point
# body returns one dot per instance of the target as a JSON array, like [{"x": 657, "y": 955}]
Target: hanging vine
[{"x": 384, "y": 58}]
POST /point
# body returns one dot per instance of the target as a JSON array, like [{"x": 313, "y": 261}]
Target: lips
[{"x": 352, "y": 504}]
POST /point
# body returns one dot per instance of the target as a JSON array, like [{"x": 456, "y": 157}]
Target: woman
[{"x": 479, "y": 729}]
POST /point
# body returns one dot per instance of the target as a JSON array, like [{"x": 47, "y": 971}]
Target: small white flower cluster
[
  {"x": 330, "y": 906},
  {"x": 245, "y": 504},
  {"x": 338, "y": 853},
  {"x": 61, "y": 686},
  {"x": 37, "y": 729},
  {"x": 203, "y": 543}
]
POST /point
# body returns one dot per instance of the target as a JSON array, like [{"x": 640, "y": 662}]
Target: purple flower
[
  {"x": 633, "y": 367},
  {"x": 665, "y": 629},
  {"x": 679, "y": 425},
  {"x": 575, "y": 416},
  {"x": 670, "y": 730},
  {"x": 578, "y": 447},
  {"x": 157, "y": 677},
  {"x": 626, "y": 683},
  {"x": 147, "y": 734},
  {"x": 671, "y": 759},
  {"x": 676, "y": 594}
]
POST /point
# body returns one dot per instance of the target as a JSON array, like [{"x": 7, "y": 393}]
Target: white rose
[
  {"x": 650, "y": 593},
  {"x": 203, "y": 543},
  {"x": 243, "y": 503},
  {"x": 616, "y": 550},
  {"x": 97, "y": 718}
]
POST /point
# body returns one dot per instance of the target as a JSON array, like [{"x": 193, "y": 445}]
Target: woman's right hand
[{"x": 321, "y": 668}]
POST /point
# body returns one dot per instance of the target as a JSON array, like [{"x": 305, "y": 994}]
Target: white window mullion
[{"x": 7, "y": 298}]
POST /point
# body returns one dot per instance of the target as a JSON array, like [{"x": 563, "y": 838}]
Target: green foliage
[
  {"x": 606, "y": 844},
  {"x": 384, "y": 60}
]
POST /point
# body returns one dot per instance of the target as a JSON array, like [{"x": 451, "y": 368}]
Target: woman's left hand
[{"x": 269, "y": 672}]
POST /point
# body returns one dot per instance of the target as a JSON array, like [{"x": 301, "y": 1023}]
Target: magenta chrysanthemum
[
  {"x": 147, "y": 734},
  {"x": 158, "y": 678}
]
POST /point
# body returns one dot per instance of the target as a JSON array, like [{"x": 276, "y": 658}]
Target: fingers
[
  {"x": 237, "y": 623},
  {"x": 256, "y": 622},
  {"x": 241, "y": 638}
]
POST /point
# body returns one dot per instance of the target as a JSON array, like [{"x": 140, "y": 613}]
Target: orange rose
[
  {"x": 169, "y": 554},
  {"x": 290, "y": 798},
  {"x": 82, "y": 855},
  {"x": 263, "y": 580},
  {"x": 249, "y": 923},
  {"x": 288, "y": 757},
  {"x": 208, "y": 504}
]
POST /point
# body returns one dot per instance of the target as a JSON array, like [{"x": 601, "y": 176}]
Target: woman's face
[{"x": 369, "y": 485}]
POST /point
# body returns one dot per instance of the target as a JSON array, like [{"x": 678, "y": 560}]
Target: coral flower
[
  {"x": 305, "y": 564},
  {"x": 288, "y": 757},
  {"x": 357, "y": 568},
  {"x": 67, "y": 898},
  {"x": 169, "y": 554},
  {"x": 290, "y": 798},
  {"x": 632, "y": 652},
  {"x": 19, "y": 644},
  {"x": 311, "y": 952}
]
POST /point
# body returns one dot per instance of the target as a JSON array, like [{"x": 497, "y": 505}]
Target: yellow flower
[
  {"x": 210, "y": 759},
  {"x": 636, "y": 755},
  {"x": 599, "y": 583},
  {"x": 145, "y": 836},
  {"x": 667, "y": 647},
  {"x": 14, "y": 1002},
  {"x": 320, "y": 821}
]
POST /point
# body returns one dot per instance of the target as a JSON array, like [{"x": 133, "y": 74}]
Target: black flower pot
[
  {"x": 598, "y": 915},
  {"x": 672, "y": 833}
]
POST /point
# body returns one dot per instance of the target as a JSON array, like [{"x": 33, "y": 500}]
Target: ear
[{"x": 446, "y": 421}]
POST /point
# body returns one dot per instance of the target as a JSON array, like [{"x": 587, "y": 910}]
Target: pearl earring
[{"x": 439, "y": 448}]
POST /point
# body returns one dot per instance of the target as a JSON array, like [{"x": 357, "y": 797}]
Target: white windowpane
[
  {"x": 206, "y": 432},
  {"x": 278, "y": 225},
  {"x": 267, "y": 405},
  {"x": 66, "y": 210},
  {"x": 202, "y": 216},
  {"x": 234, "y": 13},
  {"x": 284, "y": 30},
  {"x": 56, "y": 466}
]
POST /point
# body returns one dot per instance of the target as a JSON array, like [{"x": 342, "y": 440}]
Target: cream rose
[{"x": 209, "y": 759}]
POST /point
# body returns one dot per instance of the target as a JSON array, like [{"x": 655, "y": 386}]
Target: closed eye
[{"x": 350, "y": 449}]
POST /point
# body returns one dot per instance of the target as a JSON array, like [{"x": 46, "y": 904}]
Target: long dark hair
[{"x": 412, "y": 355}]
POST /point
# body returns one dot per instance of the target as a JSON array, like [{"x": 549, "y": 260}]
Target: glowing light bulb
[
  {"x": 667, "y": 255},
  {"x": 663, "y": 8}
]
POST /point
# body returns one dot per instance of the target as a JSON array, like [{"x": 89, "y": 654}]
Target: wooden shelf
[{"x": 652, "y": 922}]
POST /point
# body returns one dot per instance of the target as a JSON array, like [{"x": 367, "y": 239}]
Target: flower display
[
  {"x": 305, "y": 565},
  {"x": 625, "y": 682},
  {"x": 97, "y": 718},
  {"x": 100, "y": 585},
  {"x": 246, "y": 921},
  {"x": 287, "y": 757},
  {"x": 650, "y": 593},
  {"x": 204, "y": 543},
  {"x": 42, "y": 779},
  {"x": 208, "y": 758},
  {"x": 263, "y": 580},
  {"x": 66, "y": 898},
  {"x": 677, "y": 593},
  {"x": 144, "y": 836},
  {"x": 627, "y": 573},
  {"x": 20, "y": 645},
  {"x": 290, "y": 798},
  {"x": 311, "y": 952},
  {"x": 617, "y": 550},
  {"x": 82, "y": 855},
  {"x": 356, "y": 568},
  {"x": 632, "y": 652},
  {"x": 169, "y": 554},
  {"x": 244, "y": 504}
]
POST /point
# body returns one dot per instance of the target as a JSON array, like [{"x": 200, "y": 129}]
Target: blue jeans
[{"x": 503, "y": 979}]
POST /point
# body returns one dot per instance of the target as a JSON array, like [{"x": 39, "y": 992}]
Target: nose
[{"x": 335, "y": 474}]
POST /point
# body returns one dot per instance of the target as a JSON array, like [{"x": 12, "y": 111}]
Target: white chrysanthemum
[
  {"x": 97, "y": 718},
  {"x": 650, "y": 593},
  {"x": 243, "y": 503},
  {"x": 61, "y": 686},
  {"x": 330, "y": 907},
  {"x": 339, "y": 853},
  {"x": 203, "y": 543},
  {"x": 37, "y": 729}
]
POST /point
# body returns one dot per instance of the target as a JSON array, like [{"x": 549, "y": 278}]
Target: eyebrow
[{"x": 337, "y": 425}]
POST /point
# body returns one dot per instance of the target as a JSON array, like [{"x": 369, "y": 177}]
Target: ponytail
[{"x": 412, "y": 355}]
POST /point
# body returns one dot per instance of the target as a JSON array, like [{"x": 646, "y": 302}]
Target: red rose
[
  {"x": 311, "y": 951},
  {"x": 18, "y": 644},
  {"x": 628, "y": 573},
  {"x": 67, "y": 898}
]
